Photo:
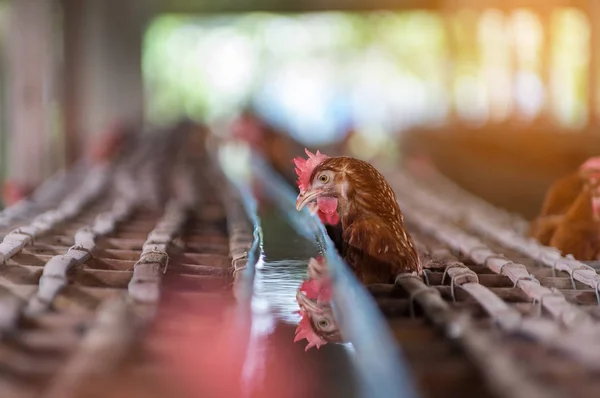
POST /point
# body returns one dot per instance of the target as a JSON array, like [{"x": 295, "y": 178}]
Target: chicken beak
[
  {"x": 307, "y": 304},
  {"x": 304, "y": 198}
]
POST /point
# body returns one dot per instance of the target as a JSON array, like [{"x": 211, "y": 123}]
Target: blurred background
[{"x": 502, "y": 96}]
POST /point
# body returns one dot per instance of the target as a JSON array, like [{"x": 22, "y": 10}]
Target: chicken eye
[
  {"x": 323, "y": 323},
  {"x": 323, "y": 178}
]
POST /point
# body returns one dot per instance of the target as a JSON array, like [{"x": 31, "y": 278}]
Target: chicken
[
  {"x": 376, "y": 244},
  {"x": 13, "y": 192},
  {"x": 373, "y": 239},
  {"x": 578, "y": 231},
  {"x": 115, "y": 141},
  {"x": 275, "y": 145},
  {"x": 112, "y": 143},
  {"x": 560, "y": 198}
]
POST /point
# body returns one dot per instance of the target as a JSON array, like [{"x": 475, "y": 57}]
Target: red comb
[
  {"x": 591, "y": 164},
  {"x": 314, "y": 289},
  {"x": 310, "y": 288},
  {"x": 305, "y": 331},
  {"x": 317, "y": 289},
  {"x": 305, "y": 167}
]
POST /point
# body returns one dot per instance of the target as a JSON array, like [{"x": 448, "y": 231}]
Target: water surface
[{"x": 279, "y": 273}]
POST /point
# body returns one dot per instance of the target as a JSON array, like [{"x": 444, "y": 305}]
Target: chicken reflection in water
[
  {"x": 317, "y": 325},
  {"x": 215, "y": 359}
]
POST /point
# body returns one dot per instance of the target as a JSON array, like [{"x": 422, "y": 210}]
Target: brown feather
[
  {"x": 578, "y": 234},
  {"x": 376, "y": 253},
  {"x": 543, "y": 228},
  {"x": 375, "y": 242},
  {"x": 562, "y": 194},
  {"x": 560, "y": 197}
]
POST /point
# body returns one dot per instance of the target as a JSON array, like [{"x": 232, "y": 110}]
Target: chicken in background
[
  {"x": 373, "y": 239},
  {"x": 116, "y": 141},
  {"x": 560, "y": 199},
  {"x": 276, "y": 146},
  {"x": 577, "y": 230},
  {"x": 14, "y": 192},
  {"x": 113, "y": 142}
]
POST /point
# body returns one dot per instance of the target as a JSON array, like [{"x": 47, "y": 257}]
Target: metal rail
[{"x": 380, "y": 364}]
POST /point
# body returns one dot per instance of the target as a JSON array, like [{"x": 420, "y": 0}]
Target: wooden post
[
  {"x": 30, "y": 73},
  {"x": 103, "y": 67},
  {"x": 72, "y": 39}
]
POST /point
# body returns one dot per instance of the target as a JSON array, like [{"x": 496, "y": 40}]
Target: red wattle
[
  {"x": 327, "y": 205},
  {"x": 329, "y": 219},
  {"x": 328, "y": 210}
]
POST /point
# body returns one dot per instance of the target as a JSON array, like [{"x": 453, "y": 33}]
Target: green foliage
[
  {"x": 180, "y": 53},
  {"x": 209, "y": 66}
]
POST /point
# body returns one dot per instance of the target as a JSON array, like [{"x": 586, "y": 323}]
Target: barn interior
[
  {"x": 173, "y": 266},
  {"x": 515, "y": 82}
]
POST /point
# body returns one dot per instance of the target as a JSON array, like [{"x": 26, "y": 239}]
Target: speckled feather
[{"x": 375, "y": 242}]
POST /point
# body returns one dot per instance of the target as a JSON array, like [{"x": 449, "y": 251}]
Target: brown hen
[
  {"x": 372, "y": 237},
  {"x": 578, "y": 231},
  {"x": 276, "y": 145},
  {"x": 560, "y": 199},
  {"x": 374, "y": 240}
]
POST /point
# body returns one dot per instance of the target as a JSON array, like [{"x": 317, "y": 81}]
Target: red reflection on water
[{"x": 208, "y": 351}]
